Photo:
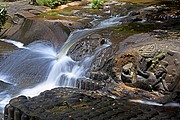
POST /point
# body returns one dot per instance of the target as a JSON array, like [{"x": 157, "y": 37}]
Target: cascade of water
[
  {"x": 25, "y": 68},
  {"x": 65, "y": 72},
  {"x": 34, "y": 61},
  {"x": 39, "y": 67},
  {"x": 79, "y": 34}
]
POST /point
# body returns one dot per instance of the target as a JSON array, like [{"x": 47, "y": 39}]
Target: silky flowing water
[{"x": 39, "y": 66}]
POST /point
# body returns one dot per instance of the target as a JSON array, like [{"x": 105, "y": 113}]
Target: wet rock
[
  {"x": 90, "y": 84},
  {"x": 166, "y": 14},
  {"x": 4, "y": 85},
  {"x": 153, "y": 58},
  {"x": 24, "y": 9},
  {"x": 22, "y": 25},
  {"x": 32, "y": 30},
  {"x": 66, "y": 103},
  {"x": 140, "y": 59},
  {"x": 127, "y": 73},
  {"x": 144, "y": 64},
  {"x": 83, "y": 48},
  {"x": 99, "y": 76},
  {"x": 126, "y": 61},
  {"x": 1, "y": 115}
]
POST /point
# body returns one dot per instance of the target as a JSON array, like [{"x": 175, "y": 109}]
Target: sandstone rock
[
  {"x": 20, "y": 27},
  {"x": 66, "y": 103},
  {"x": 32, "y": 30}
]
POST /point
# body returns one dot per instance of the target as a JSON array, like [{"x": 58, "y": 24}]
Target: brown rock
[{"x": 32, "y": 30}]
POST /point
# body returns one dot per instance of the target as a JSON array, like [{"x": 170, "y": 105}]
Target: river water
[{"x": 39, "y": 66}]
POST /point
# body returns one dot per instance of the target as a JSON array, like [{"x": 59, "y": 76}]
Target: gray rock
[
  {"x": 4, "y": 85},
  {"x": 1, "y": 116}
]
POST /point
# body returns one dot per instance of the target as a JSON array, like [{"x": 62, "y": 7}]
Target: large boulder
[
  {"x": 32, "y": 30},
  {"x": 22, "y": 26}
]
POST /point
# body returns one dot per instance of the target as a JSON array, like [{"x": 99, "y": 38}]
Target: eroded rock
[
  {"x": 66, "y": 103},
  {"x": 32, "y": 30}
]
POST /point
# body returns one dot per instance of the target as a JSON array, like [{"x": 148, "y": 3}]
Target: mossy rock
[
  {"x": 135, "y": 28},
  {"x": 57, "y": 12}
]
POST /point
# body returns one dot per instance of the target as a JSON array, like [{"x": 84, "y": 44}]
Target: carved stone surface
[{"x": 64, "y": 103}]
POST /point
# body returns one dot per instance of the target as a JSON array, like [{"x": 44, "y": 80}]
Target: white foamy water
[
  {"x": 4, "y": 100},
  {"x": 64, "y": 73},
  {"x": 41, "y": 67},
  {"x": 15, "y": 43}
]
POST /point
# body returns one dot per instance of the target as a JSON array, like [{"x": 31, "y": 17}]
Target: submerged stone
[{"x": 4, "y": 85}]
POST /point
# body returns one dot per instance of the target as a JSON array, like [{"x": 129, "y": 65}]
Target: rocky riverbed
[{"x": 141, "y": 66}]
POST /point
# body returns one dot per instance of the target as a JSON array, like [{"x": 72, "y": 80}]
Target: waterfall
[
  {"x": 64, "y": 73},
  {"x": 39, "y": 66},
  {"x": 79, "y": 34}
]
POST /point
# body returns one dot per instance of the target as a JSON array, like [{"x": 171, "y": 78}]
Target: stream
[{"x": 39, "y": 66}]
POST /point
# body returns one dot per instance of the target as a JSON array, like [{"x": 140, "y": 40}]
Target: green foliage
[
  {"x": 2, "y": 16},
  {"x": 97, "y": 4},
  {"x": 52, "y": 3}
]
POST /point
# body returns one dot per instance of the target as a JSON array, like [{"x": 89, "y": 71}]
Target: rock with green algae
[{"x": 136, "y": 28}]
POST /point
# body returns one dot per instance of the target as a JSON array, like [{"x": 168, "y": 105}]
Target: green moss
[
  {"x": 57, "y": 12},
  {"x": 135, "y": 28}
]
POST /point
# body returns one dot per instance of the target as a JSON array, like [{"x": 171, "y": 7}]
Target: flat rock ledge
[{"x": 77, "y": 104}]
